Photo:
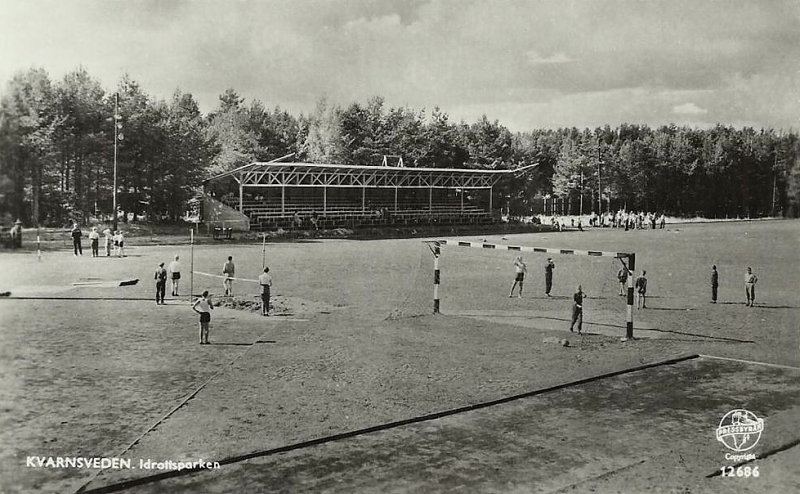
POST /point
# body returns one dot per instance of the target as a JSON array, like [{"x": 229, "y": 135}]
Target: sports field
[{"x": 105, "y": 372}]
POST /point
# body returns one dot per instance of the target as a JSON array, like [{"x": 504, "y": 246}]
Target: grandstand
[{"x": 271, "y": 195}]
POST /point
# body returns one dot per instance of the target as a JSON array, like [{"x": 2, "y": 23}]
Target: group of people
[
  {"x": 204, "y": 305},
  {"x": 640, "y": 287},
  {"x": 750, "y": 280},
  {"x": 628, "y": 220},
  {"x": 171, "y": 272},
  {"x": 114, "y": 242}
]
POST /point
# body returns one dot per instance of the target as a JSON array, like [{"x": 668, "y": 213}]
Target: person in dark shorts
[
  {"x": 714, "y": 283},
  {"x": 548, "y": 275},
  {"x": 95, "y": 238},
  {"x": 641, "y": 290},
  {"x": 577, "y": 310},
  {"x": 265, "y": 280},
  {"x": 161, "y": 283},
  {"x": 175, "y": 269},
  {"x": 204, "y": 306},
  {"x": 519, "y": 279},
  {"x": 622, "y": 277},
  {"x": 76, "y": 239}
]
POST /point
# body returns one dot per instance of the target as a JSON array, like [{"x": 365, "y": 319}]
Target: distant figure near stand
[
  {"x": 577, "y": 310},
  {"x": 750, "y": 281},
  {"x": 228, "y": 271},
  {"x": 161, "y": 283},
  {"x": 265, "y": 280},
  {"x": 175, "y": 269},
  {"x": 204, "y": 306},
  {"x": 548, "y": 275},
  {"x": 641, "y": 290},
  {"x": 714, "y": 283},
  {"x": 519, "y": 279},
  {"x": 76, "y": 239},
  {"x": 95, "y": 238},
  {"x": 109, "y": 241}
]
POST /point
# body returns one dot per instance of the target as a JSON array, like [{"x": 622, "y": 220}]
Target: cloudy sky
[{"x": 527, "y": 63}]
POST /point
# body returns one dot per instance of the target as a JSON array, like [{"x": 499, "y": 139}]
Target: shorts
[
  {"x": 121, "y": 245},
  {"x": 176, "y": 276},
  {"x": 520, "y": 277},
  {"x": 205, "y": 317},
  {"x": 116, "y": 243}
]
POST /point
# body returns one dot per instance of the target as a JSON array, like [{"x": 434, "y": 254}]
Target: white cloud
[{"x": 689, "y": 109}]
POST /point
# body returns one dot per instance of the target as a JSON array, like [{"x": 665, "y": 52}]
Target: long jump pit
[{"x": 695, "y": 423}]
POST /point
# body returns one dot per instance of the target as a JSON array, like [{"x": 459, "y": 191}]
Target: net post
[
  {"x": 629, "y": 322},
  {"x": 436, "y": 278}
]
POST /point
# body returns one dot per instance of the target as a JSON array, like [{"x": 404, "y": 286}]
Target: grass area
[{"x": 89, "y": 371}]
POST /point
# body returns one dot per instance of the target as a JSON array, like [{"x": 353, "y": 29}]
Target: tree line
[{"x": 57, "y": 153}]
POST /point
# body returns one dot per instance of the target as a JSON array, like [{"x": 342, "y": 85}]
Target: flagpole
[{"x": 114, "y": 189}]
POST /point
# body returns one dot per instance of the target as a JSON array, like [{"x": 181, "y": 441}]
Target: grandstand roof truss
[
  {"x": 286, "y": 174},
  {"x": 326, "y": 175}
]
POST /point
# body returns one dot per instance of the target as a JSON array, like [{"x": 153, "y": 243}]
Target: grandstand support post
[
  {"x": 264, "y": 251},
  {"x": 491, "y": 190},
  {"x": 363, "y": 199},
  {"x": 395, "y": 199},
  {"x": 430, "y": 199},
  {"x": 629, "y": 323},
  {"x": 283, "y": 199},
  {"x": 462, "y": 200},
  {"x": 325, "y": 200},
  {"x": 436, "y": 278},
  {"x": 241, "y": 193}
]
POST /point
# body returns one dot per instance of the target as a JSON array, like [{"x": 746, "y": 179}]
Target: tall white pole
[
  {"x": 114, "y": 189},
  {"x": 191, "y": 264}
]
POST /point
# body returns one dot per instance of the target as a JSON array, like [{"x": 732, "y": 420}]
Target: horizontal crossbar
[{"x": 525, "y": 248}]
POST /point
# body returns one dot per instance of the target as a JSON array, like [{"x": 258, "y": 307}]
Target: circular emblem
[{"x": 740, "y": 430}]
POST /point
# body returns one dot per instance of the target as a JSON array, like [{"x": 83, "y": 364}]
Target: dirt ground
[{"x": 104, "y": 372}]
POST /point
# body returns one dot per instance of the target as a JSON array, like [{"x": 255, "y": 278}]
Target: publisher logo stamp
[{"x": 739, "y": 430}]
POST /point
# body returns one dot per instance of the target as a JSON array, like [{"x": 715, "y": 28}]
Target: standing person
[
  {"x": 95, "y": 238},
  {"x": 116, "y": 243},
  {"x": 622, "y": 277},
  {"x": 204, "y": 306},
  {"x": 750, "y": 281},
  {"x": 714, "y": 283},
  {"x": 121, "y": 238},
  {"x": 663, "y": 220},
  {"x": 76, "y": 239},
  {"x": 228, "y": 271},
  {"x": 577, "y": 310},
  {"x": 161, "y": 283},
  {"x": 109, "y": 241},
  {"x": 175, "y": 270},
  {"x": 519, "y": 279},
  {"x": 641, "y": 290},
  {"x": 265, "y": 280},
  {"x": 548, "y": 276}
]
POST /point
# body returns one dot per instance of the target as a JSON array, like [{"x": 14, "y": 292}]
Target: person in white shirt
[
  {"x": 121, "y": 238},
  {"x": 265, "y": 280},
  {"x": 175, "y": 269},
  {"x": 521, "y": 269},
  {"x": 109, "y": 241},
  {"x": 204, "y": 306},
  {"x": 95, "y": 239},
  {"x": 228, "y": 272}
]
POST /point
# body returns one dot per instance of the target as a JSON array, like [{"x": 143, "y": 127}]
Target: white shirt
[
  {"x": 94, "y": 235},
  {"x": 174, "y": 267},
  {"x": 202, "y": 305},
  {"x": 265, "y": 279}
]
